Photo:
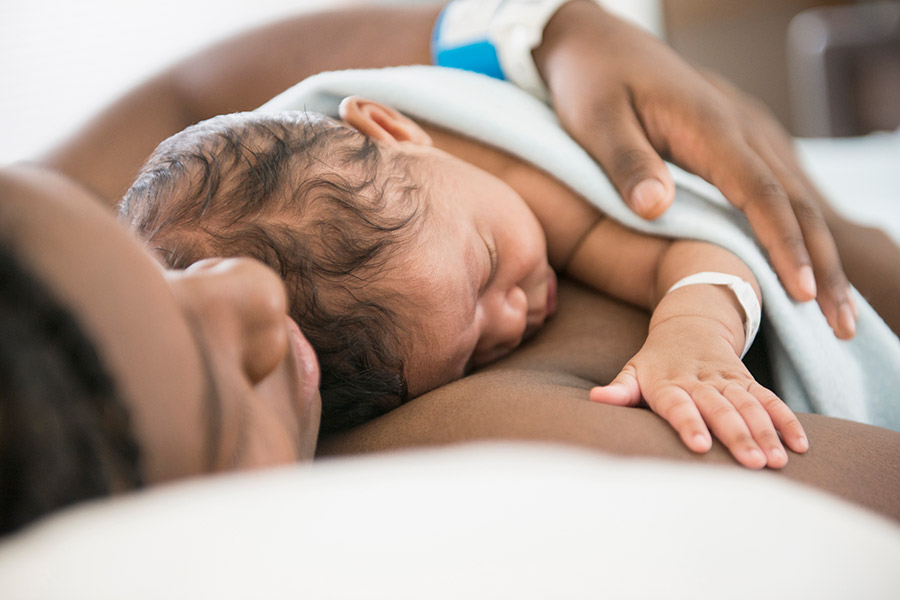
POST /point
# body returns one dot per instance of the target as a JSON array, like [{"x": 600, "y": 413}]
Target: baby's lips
[
  {"x": 552, "y": 285},
  {"x": 539, "y": 314}
]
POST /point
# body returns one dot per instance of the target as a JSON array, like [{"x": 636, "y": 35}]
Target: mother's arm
[{"x": 541, "y": 393}]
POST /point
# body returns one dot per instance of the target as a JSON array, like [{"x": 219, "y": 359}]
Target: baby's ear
[{"x": 381, "y": 122}]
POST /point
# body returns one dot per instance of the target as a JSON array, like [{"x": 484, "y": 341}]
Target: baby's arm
[{"x": 689, "y": 370}]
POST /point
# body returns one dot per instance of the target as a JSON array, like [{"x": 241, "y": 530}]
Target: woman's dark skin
[{"x": 541, "y": 393}]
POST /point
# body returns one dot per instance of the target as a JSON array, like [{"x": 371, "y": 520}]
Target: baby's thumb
[{"x": 624, "y": 390}]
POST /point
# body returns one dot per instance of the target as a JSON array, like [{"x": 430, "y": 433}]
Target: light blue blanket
[{"x": 814, "y": 371}]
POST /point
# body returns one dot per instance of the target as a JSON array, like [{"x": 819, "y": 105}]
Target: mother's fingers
[
  {"x": 774, "y": 147},
  {"x": 748, "y": 182},
  {"x": 615, "y": 138},
  {"x": 833, "y": 287},
  {"x": 707, "y": 137}
]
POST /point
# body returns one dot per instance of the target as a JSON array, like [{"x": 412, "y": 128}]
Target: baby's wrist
[{"x": 741, "y": 293}]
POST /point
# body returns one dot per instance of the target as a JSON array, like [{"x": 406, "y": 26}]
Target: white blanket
[{"x": 814, "y": 371}]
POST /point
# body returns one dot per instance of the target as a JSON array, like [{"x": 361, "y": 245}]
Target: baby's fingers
[
  {"x": 783, "y": 418},
  {"x": 673, "y": 404},
  {"x": 732, "y": 416},
  {"x": 676, "y": 406},
  {"x": 624, "y": 390}
]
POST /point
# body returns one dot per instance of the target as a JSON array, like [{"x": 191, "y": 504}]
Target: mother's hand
[{"x": 628, "y": 98}]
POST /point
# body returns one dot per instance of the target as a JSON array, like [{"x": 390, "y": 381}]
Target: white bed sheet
[
  {"x": 474, "y": 521},
  {"x": 860, "y": 176}
]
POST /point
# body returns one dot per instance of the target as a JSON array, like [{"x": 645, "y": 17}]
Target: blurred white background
[{"x": 61, "y": 61}]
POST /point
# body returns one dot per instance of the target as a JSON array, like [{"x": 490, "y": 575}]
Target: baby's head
[{"x": 406, "y": 266}]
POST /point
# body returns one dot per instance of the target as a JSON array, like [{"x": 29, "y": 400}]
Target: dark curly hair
[
  {"x": 65, "y": 434},
  {"x": 308, "y": 196}
]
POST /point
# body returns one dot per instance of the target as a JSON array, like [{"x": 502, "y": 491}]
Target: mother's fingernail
[
  {"x": 807, "y": 281},
  {"x": 647, "y": 196},
  {"x": 846, "y": 320}
]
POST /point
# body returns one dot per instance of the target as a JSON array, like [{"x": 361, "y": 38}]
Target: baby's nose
[{"x": 504, "y": 328}]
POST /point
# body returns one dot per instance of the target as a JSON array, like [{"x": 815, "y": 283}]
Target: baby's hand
[{"x": 689, "y": 374}]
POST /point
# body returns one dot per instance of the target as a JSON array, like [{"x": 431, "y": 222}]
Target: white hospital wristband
[
  {"x": 495, "y": 37},
  {"x": 742, "y": 290}
]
